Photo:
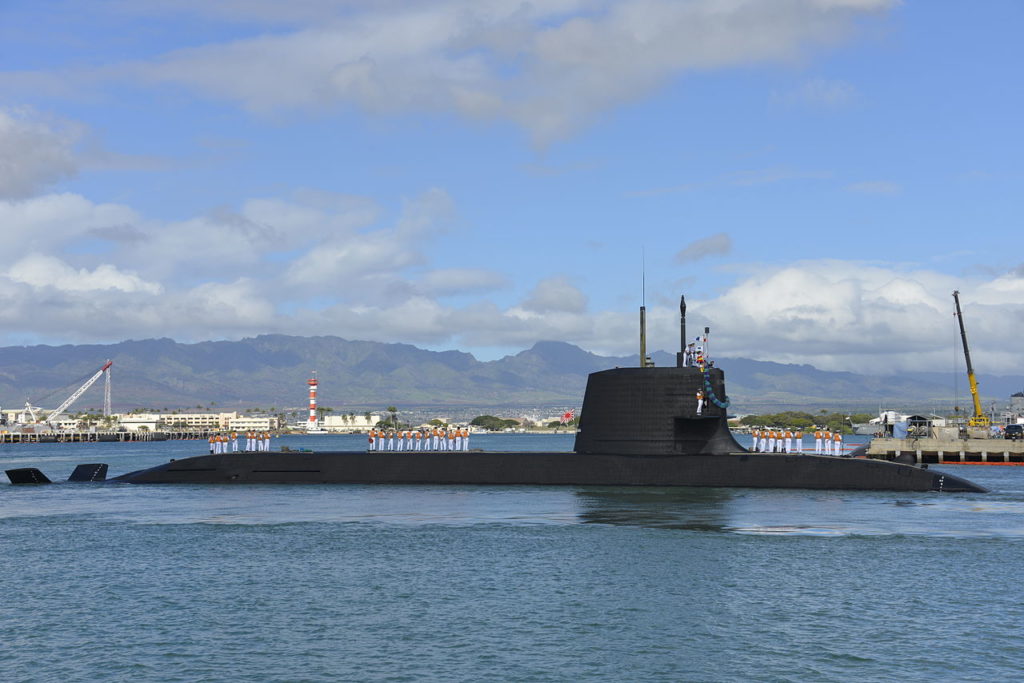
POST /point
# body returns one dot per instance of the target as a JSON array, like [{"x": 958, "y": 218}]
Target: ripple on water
[{"x": 193, "y": 583}]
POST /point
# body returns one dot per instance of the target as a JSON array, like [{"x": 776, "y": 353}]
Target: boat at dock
[{"x": 31, "y": 435}]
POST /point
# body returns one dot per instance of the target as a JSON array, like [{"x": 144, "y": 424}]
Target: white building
[
  {"x": 257, "y": 424},
  {"x": 180, "y": 420},
  {"x": 348, "y": 423},
  {"x": 141, "y": 422}
]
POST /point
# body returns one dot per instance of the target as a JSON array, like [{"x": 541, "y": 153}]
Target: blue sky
[{"x": 816, "y": 176}]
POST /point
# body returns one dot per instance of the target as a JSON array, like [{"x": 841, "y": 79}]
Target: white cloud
[
  {"x": 863, "y": 317},
  {"x": 716, "y": 245},
  {"x": 34, "y": 153},
  {"x": 43, "y": 223},
  {"x": 41, "y": 271},
  {"x": 550, "y": 66},
  {"x": 353, "y": 275},
  {"x": 554, "y": 295},
  {"x": 369, "y": 265},
  {"x": 448, "y": 281}
]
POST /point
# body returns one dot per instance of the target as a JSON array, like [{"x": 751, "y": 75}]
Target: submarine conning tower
[{"x": 653, "y": 411}]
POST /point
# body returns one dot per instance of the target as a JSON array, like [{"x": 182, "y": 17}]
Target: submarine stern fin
[
  {"x": 27, "y": 475},
  {"x": 90, "y": 472}
]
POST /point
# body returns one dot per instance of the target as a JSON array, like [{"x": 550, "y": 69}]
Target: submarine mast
[
  {"x": 682, "y": 331},
  {"x": 645, "y": 361}
]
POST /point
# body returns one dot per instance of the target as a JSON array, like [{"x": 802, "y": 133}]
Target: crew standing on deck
[
  {"x": 827, "y": 439},
  {"x": 837, "y": 445},
  {"x": 817, "y": 440},
  {"x": 700, "y": 401},
  {"x": 799, "y": 440}
]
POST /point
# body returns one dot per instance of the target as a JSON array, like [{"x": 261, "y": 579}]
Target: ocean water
[{"x": 118, "y": 582}]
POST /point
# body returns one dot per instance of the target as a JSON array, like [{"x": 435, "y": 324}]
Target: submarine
[{"x": 639, "y": 426}]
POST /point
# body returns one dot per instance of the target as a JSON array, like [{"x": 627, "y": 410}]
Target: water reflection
[{"x": 697, "y": 509}]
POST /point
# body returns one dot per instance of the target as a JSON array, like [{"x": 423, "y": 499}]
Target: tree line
[{"x": 843, "y": 422}]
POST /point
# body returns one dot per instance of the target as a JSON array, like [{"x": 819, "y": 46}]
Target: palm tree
[{"x": 394, "y": 416}]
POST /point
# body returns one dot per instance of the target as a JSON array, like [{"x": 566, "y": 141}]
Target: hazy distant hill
[{"x": 271, "y": 371}]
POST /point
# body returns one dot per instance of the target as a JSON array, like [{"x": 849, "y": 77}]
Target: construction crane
[
  {"x": 979, "y": 419},
  {"x": 52, "y": 417}
]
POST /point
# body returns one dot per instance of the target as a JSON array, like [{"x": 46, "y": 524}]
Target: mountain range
[{"x": 272, "y": 370}]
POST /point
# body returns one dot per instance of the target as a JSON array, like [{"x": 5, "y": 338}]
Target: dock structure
[
  {"x": 949, "y": 451},
  {"x": 16, "y": 436}
]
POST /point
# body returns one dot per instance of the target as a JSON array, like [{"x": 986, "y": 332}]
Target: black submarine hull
[
  {"x": 641, "y": 426},
  {"x": 743, "y": 469}
]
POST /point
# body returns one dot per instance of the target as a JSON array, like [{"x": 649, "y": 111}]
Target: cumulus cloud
[
  {"x": 555, "y": 295},
  {"x": 34, "y": 153},
  {"x": 716, "y": 245},
  {"x": 863, "y": 317},
  {"x": 40, "y": 223},
  {"x": 355, "y": 270},
  {"x": 42, "y": 271},
  {"x": 256, "y": 268},
  {"x": 550, "y": 66},
  {"x": 367, "y": 265},
  {"x": 86, "y": 314},
  {"x": 449, "y": 281}
]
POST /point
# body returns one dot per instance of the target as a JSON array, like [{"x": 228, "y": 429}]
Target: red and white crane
[{"x": 52, "y": 417}]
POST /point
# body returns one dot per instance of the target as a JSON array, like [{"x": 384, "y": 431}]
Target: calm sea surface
[{"x": 117, "y": 582}]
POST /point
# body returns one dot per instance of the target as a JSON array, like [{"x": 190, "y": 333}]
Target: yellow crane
[{"x": 979, "y": 419}]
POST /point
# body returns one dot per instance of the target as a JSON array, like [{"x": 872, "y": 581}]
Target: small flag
[{"x": 568, "y": 416}]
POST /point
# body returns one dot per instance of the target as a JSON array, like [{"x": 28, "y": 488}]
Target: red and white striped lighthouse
[{"x": 313, "y": 384}]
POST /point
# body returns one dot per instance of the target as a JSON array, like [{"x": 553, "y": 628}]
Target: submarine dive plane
[{"x": 639, "y": 426}]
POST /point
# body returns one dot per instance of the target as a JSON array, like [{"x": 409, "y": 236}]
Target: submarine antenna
[{"x": 643, "y": 309}]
